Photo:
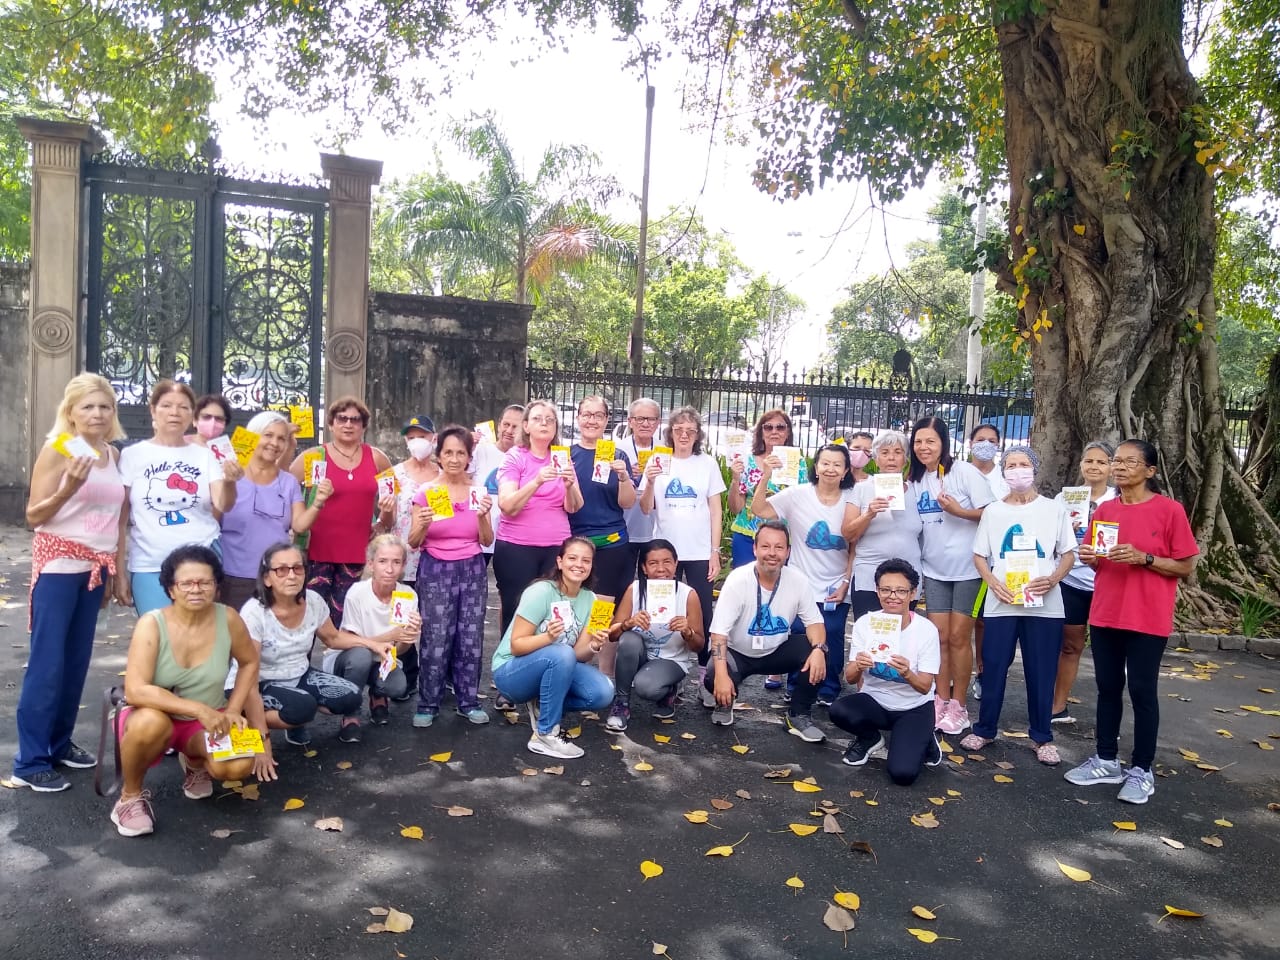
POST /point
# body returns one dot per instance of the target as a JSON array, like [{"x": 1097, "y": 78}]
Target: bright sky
[{"x": 815, "y": 246}]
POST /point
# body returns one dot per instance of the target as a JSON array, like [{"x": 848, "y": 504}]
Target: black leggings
[
  {"x": 515, "y": 566},
  {"x": 612, "y": 571},
  {"x": 786, "y": 659},
  {"x": 297, "y": 704},
  {"x": 864, "y": 717},
  {"x": 1119, "y": 655},
  {"x": 694, "y": 573}
]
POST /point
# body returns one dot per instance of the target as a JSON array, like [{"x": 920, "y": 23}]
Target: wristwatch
[
  {"x": 1149, "y": 561},
  {"x": 819, "y": 646}
]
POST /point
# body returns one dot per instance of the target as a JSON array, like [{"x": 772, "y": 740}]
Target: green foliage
[
  {"x": 1256, "y": 614},
  {"x": 1247, "y": 290}
]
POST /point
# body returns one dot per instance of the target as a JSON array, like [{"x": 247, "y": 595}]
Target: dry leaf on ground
[
  {"x": 411, "y": 833},
  {"x": 441, "y": 757},
  {"x": 555, "y": 771},
  {"x": 850, "y": 901},
  {"x": 1074, "y": 873},
  {"x": 796, "y": 884},
  {"x": 739, "y": 748},
  {"x": 293, "y": 803},
  {"x": 332, "y": 824},
  {"x": 697, "y": 816},
  {"x": 742, "y": 794},
  {"x": 1176, "y": 844},
  {"x": 721, "y": 804},
  {"x": 650, "y": 869},
  {"x": 924, "y": 913},
  {"x": 831, "y": 825},
  {"x": 802, "y": 829},
  {"x": 838, "y": 919}
]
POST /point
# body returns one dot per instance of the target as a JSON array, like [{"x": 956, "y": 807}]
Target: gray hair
[
  {"x": 260, "y": 421},
  {"x": 889, "y": 438},
  {"x": 641, "y": 401},
  {"x": 1102, "y": 445},
  {"x": 1028, "y": 452}
]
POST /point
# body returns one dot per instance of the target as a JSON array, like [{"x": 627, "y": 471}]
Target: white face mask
[{"x": 420, "y": 447}]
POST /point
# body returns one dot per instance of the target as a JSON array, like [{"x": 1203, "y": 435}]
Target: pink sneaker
[
  {"x": 133, "y": 817},
  {"x": 939, "y": 712},
  {"x": 954, "y": 718},
  {"x": 197, "y": 784}
]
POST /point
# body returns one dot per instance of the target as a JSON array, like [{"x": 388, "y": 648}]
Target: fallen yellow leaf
[
  {"x": 1179, "y": 912},
  {"x": 661, "y": 738},
  {"x": 1188, "y": 754},
  {"x": 944, "y": 746},
  {"x": 924, "y": 913},
  {"x": 739, "y": 748},
  {"x": 573, "y": 733},
  {"x": 398, "y": 922},
  {"x": 802, "y": 829},
  {"x": 1265, "y": 690},
  {"x": 310, "y": 753},
  {"x": 849, "y": 900},
  {"x": 697, "y": 816},
  {"x": 1224, "y": 823},
  {"x": 344, "y": 764},
  {"x": 956, "y": 758},
  {"x": 937, "y": 801},
  {"x": 650, "y": 869},
  {"x": 796, "y": 884},
  {"x": 719, "y": 852},
  {"x": 872, "y": 803},
  {"x": 441, "y": 757},
  {"x": 1074, "y": 873},
  {"x": 1263, "y": 745},
  {"x": 1079, "y": 229},
  {"x": 924, "y": 936},
  {"x": 688, "y": 736},
  {"x": 643, "y": 767},
  {"x": 953, "y": 793},
  {"x": 1225, "y": 733},
  {"x": 1124, "y": 824},
  {"x": 411, "y": 833},
  {"x": 803, "y": 786},
  {"x": 293, "y": 803},
  {"x": 1001, "y": 778}
]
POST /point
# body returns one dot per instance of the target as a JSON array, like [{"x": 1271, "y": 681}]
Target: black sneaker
[
  {"x": 409, "y": 694},
  {"x": 349, "y": 732},
  {"x": 77, "y": 758},
  {"x": 860, "y": 750},
  {"x": 666, "y": 708},
  {"x": 1063, "y": 716},
  {"x": 298, "y": 736},
  {"x": 46, "y": 781},
  {"x": 379, "y": 712},
  {"x": 933, "y": 752}
]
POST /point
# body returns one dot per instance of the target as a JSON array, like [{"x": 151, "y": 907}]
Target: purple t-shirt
[
  {"x": 455, "y": 538},
  {"x": 262, "y": 516},
  {"x": 542, "y": 522}
]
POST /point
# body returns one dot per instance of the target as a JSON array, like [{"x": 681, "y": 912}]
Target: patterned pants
[
  {"x": 451, "y": 597},
  {"x": 332, "y": 581}
]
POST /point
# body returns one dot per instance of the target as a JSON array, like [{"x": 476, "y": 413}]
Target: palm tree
[{"x": 522, "y": 232}]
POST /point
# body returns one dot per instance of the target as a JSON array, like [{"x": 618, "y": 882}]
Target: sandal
[
  {"x": 1047, "y": 754},
  {"x": 974, "y": 742}
]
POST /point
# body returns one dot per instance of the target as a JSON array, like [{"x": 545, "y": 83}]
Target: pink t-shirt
[
  {"x": 456, "y": 538},
  {"x": 542, "y": 522}
]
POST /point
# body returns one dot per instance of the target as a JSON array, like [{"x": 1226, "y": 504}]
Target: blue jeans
[
  {"x": 553, "y": 676},
  {"x": 148, "y": 595},
  {"x": 1041, "y": 641},
  {"x": 835, "y": 622},
  {"x": 64, "y": 615}
]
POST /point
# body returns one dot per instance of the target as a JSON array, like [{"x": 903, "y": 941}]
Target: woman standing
[
  {"x": 340, "y": 534},
  {"x": 1023, "y": 548},
  {"x": 268, "y": 505},
  {"x": 536, "y": 498},
  {"x": 876, "y": 531},
  {"x": 1077, "y": 586},
  {"x": 657, "y": 641},
  {"x": 816, "y": 513},
  {"x": 773, "y": 429},
  {"x": 542, "y": 659},
  {"x": 602, "y": 519},
  {"x": 1135, "y": 587},
  {"x": 860, "y": 444},
  {"x": 178, "y": 662},
  {"x": 687, "y": 502},
  {"x": 176, "y": 491},
  {"x": 950, "y": 496},
  {"x": 213, "y": 416},
  {"x": 984, "y": 446},
  {"x": 453, "y": 585},
  {"x": 75, "y": 508}
]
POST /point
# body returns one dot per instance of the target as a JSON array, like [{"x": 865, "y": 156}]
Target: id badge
[
  {"x": 1022, "y": 541},
  {"x": 757, "y": 642}
]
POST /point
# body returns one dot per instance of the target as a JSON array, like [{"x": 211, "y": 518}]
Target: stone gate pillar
[
  {"x": 351, "y": 182},
  {"x": 56, "y": 354}
]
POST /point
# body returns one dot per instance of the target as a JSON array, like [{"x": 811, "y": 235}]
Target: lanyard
[{"x": 761, "y": 603}]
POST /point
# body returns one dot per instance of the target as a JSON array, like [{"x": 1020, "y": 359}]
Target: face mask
[
  {"x": 209, "y": 429},
  {"x": 1020, "y": 479},
  {"x": 859, "y": 458},
  {"x": 420, "y": 447},
  {"x": 985, "y": 450}
]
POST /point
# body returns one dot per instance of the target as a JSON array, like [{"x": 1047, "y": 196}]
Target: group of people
[{"x": 606, "y": 555}]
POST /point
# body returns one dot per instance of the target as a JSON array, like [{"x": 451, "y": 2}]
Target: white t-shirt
[
  {"x": 680, "y": 505},
  {"x": 995, "y": 480},
  {"x": 890, "y": 534},
  {"x": 364, "y": 615},
  {"x": 918, "y": 642},
  {"x": 1041, "y": 525},
  {"x": 286, "y": 651},
  {"x": 818, "y": 550},
  {"x": 485, "y": 462},
  {"x": 1081, "y": 574},
  {"x": 169, "y": 502},
  {"x": 660, "y": 640},
  {"x": 946, "y": 541},
  {"x": 758, "y": 621},
  {"x": 639, "y": 523}
]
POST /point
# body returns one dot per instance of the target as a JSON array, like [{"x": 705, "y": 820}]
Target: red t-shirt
[
  {"x": 340, "y": 533},
  {"x": 1129, "y": 597}
]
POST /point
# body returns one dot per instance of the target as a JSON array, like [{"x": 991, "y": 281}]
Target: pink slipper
[
  {"x": 1047, "y": 754},
  {"x": 974, "y": 742}
]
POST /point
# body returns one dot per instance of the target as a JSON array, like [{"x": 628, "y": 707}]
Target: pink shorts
[{"x": 183, "y": 730}]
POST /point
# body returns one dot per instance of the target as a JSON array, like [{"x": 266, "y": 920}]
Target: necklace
[{"x": 353, "y": 457}]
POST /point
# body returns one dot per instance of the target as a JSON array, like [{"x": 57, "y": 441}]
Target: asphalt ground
[{"x": 548, "y": 864}]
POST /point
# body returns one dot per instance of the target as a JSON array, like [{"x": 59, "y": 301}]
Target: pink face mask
[
  {"x": 209, "y": 428},
  {"x": 859, "y": 458}
]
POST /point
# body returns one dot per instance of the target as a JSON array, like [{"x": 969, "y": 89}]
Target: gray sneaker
[
  {"x": 804, "y": 728},
  {"x": 1095, "y": 770},
  {"x": 1138, "y": 787},
  {"x": 708, "y": 698},
  {"x": 722, "y": 716}
]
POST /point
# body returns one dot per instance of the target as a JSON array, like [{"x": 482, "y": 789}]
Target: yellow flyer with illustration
[
  {"x": 601, "y": 614},
  {"x": 439, "y": 501},
  {"x": 244, "y": 442}
]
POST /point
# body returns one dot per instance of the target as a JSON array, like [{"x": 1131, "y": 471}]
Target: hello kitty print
[{"x": 169, "y": 499}]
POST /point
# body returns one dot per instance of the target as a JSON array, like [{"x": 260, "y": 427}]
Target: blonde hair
[
  {"x": 523, "y": 439},
  {"x": 79, "y": 387},
  {"x": 376, "y": 544}
]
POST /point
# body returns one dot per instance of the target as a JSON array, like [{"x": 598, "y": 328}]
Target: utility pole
[
  {"x": 636, "y": 345},
  {"x": 977, "y": 307}
]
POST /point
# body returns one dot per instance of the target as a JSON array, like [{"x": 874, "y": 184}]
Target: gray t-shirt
[{"x": 892, "y": 533}]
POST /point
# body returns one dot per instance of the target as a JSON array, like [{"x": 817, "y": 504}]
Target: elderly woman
[
  {"x": 176, "y": 492},
  {"x": 950, "y": 496},
  {"x": 178, "y": 661},
  {"x": 453, "y": 584},
  {"x": 894, "y": 675},
  {"x": 75, "y": 509},
  {"x": 366, "y": 651},
  {"x": 340, "y": 534},
  {"x": 536, "y": 497},
  {"x": 687, "y": 500},
  {"x": 773, "y": 429},
  {"x": 268, "y": 505},
  {"x": 1023, "y": 548},
  {"x": 285, "y": 620},
  {"x": 1135, "y": 588},
  {"x": 877, "y": 529}
]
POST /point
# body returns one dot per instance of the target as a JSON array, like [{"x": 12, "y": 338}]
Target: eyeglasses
[
  {"x": 348, "y": 418},
  {"x": 774, "y": 426},
  {"x": 543, "y": 421},
  {"x": 188, "y": 586},
  {"x": 213, "y": 416},
  {"x": 297, "y": 569},
  {"x": 593, "y": 415},
  {"x": 1133, "y": 463},
  {"x": 900, "y": 593},
  {"x": 684, "y": 431},
  {"x": 644, "y": 419}
]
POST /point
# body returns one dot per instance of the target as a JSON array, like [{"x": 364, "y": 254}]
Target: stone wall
[
  {"x": 15, "y": 424},
  {"x": 455, "y": 359}
]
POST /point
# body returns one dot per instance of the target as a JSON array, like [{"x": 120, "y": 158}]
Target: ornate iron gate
[{"x": 199, "y": 276}]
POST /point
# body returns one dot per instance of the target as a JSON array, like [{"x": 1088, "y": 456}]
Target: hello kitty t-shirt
[{"x": 169, "y": 502}]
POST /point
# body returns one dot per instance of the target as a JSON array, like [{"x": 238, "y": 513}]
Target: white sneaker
[{"x": 553, "y": 745}]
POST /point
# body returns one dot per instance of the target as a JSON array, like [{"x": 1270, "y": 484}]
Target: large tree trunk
[{"x": 1112, "y": 222}]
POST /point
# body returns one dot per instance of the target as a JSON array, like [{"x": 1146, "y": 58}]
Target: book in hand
[
  {"x": 235, "y": 744},
  {"x": 886, "y": 635},
  {"x": 1020, "y": 568},
  {"x": 601, "y": 614},
  {"x": 1076, "y": 500},
  {"x": 439, "y": 501},
  {"x": 660, "y": 600},
  {"x": 1106, "y": 534},
  {"x": 888, "y": 486},
  {"x": 787, "y": 475}
]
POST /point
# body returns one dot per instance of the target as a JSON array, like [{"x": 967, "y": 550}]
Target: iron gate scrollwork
[{"x": 209, "y": 279}]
